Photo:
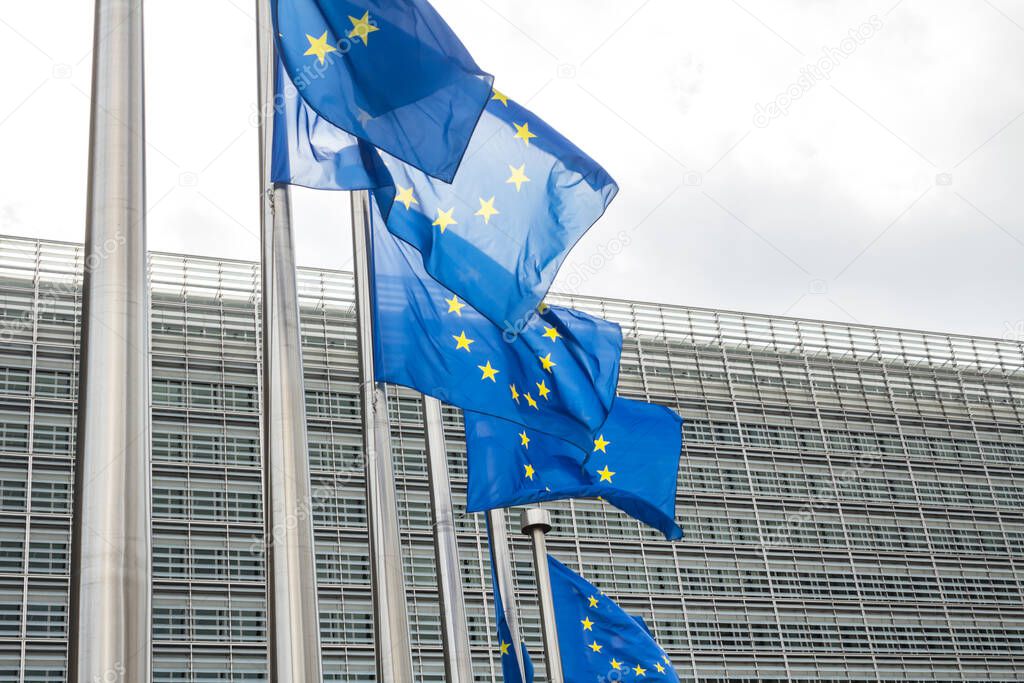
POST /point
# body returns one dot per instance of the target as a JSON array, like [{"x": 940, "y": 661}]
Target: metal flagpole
[
  {"x": 502, "y": 556},
  {"x": 293, "y": 614},
  {"x": 111, "y": 596},
  {"x": 536, "y": 522},
  {"x": 390, "y": 615},
  {"x": 458, "y": 662}
]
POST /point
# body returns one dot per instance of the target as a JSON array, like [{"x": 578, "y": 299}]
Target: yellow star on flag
[
  {"x": 617, "y": 665},
  {"x": 600, "y": 444},
  {"x": 362, "y": 28},
  {"x": 455, "y": 306},
  {"x": 523, "y": 132},
  {"x": 462, "y": 341},
  {"x": 319, "y": 47},
  {"x": 543, "y": 390},
  {"x": 518, "y": 176},
  {"x": 542, "y": 308},
  {"x": 659, "y": 667},
  {"x": 489, "y": 372},
  {"x": 529, "y": 472},
  {"x": 531, "y": 402},
  {"x": 404, "y": 195},
  {"x": 606, "y": 474},
  {"x": 500, "y": 96},
  {"x": 666, "y": 660},
  {"x": 551, "y": 333},
  {"x": 588, "y": 625},
  {"x": 595, "y": 647},
  {"x": 593, "y": 601},
  {"x": 639, "y": 670},
  {"x": 515, "y": 393},
  {"x": 504, "y": 648},
  {"x": 486, "y": 210},
  {"x": 444, "y": 219},
  {"x": 547, "y": 362},
  {"x": 524, "y": 440}
]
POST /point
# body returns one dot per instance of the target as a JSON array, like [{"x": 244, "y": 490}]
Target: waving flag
[
  {"x": 557, "y": 376},
  {"x": 390, "y": 72},
  {"x": 598, "y": 640},
  {"x": 633, "y": 464},
  {"x": 497, "y": 235},
  {"x": 309, "y": 151}
]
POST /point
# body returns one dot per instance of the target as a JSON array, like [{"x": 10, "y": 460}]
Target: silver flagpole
[
  {"x": 111, "y": 595},
  {"x": 502, "y": 554},
  {"x": 458, "y": 661},
  {"x": 536, "y": 522},
  {"x": 390, "y": 615},
  {"x": 293, "y": 614}
]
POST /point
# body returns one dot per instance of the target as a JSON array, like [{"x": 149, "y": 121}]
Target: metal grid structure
[{"x": 852, "y": 496}]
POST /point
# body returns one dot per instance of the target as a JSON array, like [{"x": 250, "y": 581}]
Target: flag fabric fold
[
  {"x": 309, "y": 151},
  {"x": 390, "y": 72},
  {"x": 557, "y": 376},
  {"x": 632, "y": 463},
  {"x": 509, "y": 664},
  {"x": 499, "y": 232},
  {"x": 598, "y": 639}
]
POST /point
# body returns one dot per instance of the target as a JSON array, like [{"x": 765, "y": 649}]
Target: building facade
[{"x": 853, "y": 497}]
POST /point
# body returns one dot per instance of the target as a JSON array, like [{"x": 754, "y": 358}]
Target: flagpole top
[{"x": 535, "y": 518}]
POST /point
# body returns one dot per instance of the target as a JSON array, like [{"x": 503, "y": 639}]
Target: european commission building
[{"x": 853, "y": 497}]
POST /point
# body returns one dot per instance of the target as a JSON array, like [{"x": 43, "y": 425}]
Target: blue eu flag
[
  {"x": 633, "y": 463},
  {"x": 498, "y": 234},
  {"x": 557, "y": 376},
  {"x": 598, "y": 640},
  {"x": 309, "y": 151},
  {"x": 509, "y": 663},
  {"x": 391, "y": 72}
]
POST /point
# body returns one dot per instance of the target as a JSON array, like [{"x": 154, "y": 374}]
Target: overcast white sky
[{"x": 887, "y": 193}]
